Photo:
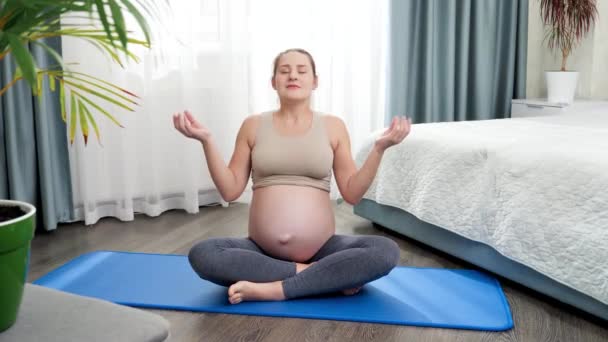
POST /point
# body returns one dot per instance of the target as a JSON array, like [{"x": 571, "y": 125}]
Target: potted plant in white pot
[
  {"x": 568, "y": 22},
  {"x": 26, "y": 23}
]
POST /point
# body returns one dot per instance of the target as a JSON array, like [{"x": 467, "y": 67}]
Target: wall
[{"x": 590, "y": 58}]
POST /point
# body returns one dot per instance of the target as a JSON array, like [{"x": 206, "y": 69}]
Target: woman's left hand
[{"x": 399, "y": 129}]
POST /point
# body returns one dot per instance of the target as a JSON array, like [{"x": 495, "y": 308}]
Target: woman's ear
[
  {"x": 315, "y": 83},
  {"x": 274, "y": 84}
]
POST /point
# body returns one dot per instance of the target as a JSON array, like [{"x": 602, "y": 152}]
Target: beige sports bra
[{"x": 304, "y": 160}]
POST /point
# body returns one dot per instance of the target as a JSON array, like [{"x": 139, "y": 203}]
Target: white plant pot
[{"x": 561, "y": 86}]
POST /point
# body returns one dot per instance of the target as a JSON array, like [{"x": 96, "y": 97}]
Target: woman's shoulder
[
  {"x": 253, "y": 120},
  {"x": 332, "y": 122},
  {"x": 251, "y": 124},
  {"x": 335, "y": 127}
]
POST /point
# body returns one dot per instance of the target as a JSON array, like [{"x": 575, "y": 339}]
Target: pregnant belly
[{"x": 291, "y": 222}]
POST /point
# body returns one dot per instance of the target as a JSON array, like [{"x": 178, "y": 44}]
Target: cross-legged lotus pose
[{"x": 292, "y": 249}]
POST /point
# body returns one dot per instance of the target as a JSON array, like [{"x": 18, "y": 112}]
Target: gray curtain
[
  {"x": 453, "y": 60},
  {"x": 34, "y": 163}
]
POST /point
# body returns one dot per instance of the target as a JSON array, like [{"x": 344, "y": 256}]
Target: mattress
[{"x": 533, "y": 189}]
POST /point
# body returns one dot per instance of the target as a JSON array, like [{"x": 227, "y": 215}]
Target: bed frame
[{"x": 476, "y": 253}]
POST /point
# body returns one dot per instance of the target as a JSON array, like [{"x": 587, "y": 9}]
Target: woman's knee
[
  {"x": 386, "y": 252},
  {"x": 201, "y": 258}
]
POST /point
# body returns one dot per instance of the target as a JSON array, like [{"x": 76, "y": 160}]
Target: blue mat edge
[{"x": 506, "y": 307}]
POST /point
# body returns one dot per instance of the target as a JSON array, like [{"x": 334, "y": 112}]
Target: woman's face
[{"x": 294, "y": 78}]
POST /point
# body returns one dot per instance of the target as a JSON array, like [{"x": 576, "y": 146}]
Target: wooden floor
[{"x": 536, "y": 317}]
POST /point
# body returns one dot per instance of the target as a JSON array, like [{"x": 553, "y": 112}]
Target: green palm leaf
[
  {"x": 24, "y": 59},
  {"x": 92, "y": 120},
  {"x": 84, "y": 125},
  {"x": 29, "y": 22},
  {"x": 96, "y": 106},
  {"x": 119, "y": 21},
  {"x": 73, "y": 118}
]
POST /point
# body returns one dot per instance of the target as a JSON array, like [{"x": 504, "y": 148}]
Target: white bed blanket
[{"x": 534, "y": 190}]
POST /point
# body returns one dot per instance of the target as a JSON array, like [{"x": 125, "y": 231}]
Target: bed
[{"x": 524, "y": 198}]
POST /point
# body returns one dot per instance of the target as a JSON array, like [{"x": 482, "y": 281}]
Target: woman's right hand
[{"x": 187, "y": 125}]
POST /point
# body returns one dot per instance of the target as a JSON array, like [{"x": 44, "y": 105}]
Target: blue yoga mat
[{"x": 446, "y": 298}]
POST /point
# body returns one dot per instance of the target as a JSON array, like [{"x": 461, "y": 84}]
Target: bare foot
[
  {"x": 350, "y": 292},
  {"x": 245, "y": 291}
]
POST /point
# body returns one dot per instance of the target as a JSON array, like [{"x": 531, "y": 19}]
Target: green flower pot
[{"x": 15, "y": 238}]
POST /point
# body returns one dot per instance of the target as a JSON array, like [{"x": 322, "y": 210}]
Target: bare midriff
[{"x": 291, "y": 222}]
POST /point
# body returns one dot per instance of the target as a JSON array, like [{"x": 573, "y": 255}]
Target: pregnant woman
[{"x": 292, "y": 249}]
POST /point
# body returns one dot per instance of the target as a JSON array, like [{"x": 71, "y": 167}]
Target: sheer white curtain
[{"x": 218, "y": 64}]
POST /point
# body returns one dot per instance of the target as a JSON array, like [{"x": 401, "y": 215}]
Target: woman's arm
[
  {"x": 353, "y": 183},
  {"x": 231, "y": 179}
]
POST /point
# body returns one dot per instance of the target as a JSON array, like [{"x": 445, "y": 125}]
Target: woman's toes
[
  {"x": 235, "y": 288},
  {"x": 350, "y": 292},
  {"x": 235, "y": 299}
]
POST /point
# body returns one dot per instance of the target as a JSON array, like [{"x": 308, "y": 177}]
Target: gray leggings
[{"x": 343, "y": 262}]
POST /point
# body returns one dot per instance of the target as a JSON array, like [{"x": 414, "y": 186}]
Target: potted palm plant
[
  {"x": 23, "y": 24},
  {"x": 568, "y": 22}
]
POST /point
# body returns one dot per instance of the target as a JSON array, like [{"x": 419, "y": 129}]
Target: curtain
[
  {"x": 34, "y": 164},
  {"x": 455, "y": 60},
  {"x": 216, "y": 61}
]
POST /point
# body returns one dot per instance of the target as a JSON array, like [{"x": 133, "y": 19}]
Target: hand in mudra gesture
[
  {"x": 399, "y": 129},
  {"x": 187, "y": 125}
]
